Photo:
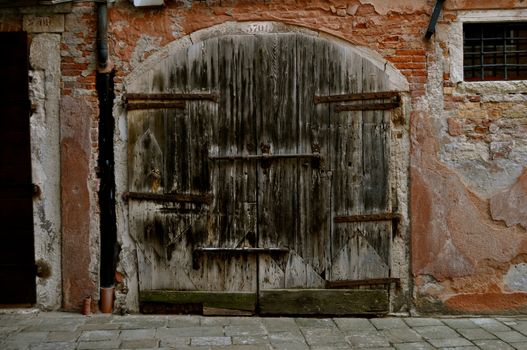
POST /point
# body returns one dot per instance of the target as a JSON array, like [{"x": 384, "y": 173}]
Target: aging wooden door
[
  {"x": 252, "y": 169},
  {"x": 17, "y": 254}
]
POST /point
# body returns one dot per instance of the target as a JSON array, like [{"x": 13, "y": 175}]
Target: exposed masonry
[{"x": 480, "y": 130}]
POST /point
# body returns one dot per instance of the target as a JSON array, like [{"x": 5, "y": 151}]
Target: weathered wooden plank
[
  {"x": 373, "y": 238},
  {"x": 146, "y": 150},
  {"x": 323, "y": 302},
  {"x": 346, "y": 164},
  {"x": 313, "y": 234},
  {"x": 278, "y": 119},
  {"x": 214, "y": 311},
  {"x": 233, "y": 222},
  {"x": 220, "y": 300},
  {"x": 202, "y": 61},
  {"x": 358, "y": 96}
]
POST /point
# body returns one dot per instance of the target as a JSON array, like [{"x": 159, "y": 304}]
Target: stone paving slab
[{"x": 56, "y": 330}]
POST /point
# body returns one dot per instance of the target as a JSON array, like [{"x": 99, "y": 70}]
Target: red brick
[{"x": 410, "y": 52}]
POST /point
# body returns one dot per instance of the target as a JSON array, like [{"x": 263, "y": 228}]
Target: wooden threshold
[
  {"x": 308, "y": 302},
  {"x": 242, "y": 302},
  {"x": 337, "y": 302}
]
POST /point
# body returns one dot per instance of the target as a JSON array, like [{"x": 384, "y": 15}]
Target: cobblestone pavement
[{"x": 56, "y": 330}]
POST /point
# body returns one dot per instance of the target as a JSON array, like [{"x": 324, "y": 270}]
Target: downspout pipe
[
  {"x": 108, "y": 227},
  {"x": 433, "y": 20},
  {"x": 102, "y": 36}
]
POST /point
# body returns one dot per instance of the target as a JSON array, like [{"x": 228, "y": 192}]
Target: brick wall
[{"x": 467, "y": 141}]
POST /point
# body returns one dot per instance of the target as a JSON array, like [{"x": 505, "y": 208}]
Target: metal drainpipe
[
  {"x": 434, "y": 18},
  {"x": 108, "y": 226}
]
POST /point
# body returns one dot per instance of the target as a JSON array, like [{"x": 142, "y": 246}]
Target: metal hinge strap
[
  {"x": 265, "y": 156},
  {"x": 135, "y": 101},
  {"x": 368, "y": 217},
  {"x": 362, "y": 96},
  {"x": 214, "y": 250},
  {"x": 170, "y": 197},
  {"x": 357, "y": 283},
  {"x": 367, "y": 107}
]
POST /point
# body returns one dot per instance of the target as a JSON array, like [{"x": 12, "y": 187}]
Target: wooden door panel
[
  {"x": 360, "y": 184},
  {"x": 190, "y": 141},
  {"x": 293, "y": 193}
]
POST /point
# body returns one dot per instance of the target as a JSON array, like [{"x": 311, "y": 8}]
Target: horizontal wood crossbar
[
  {"x": 170, "y": 197},
  {"x": 245, "y": 301},
  {"x": 324, "y": 302},
  {"x": 213, "y": 250},
  {"x": 368, "y": 217},
  {"x": 358, "y": 283},
  {"x": 265, "y": 156},
  {"x": 362, "y": 96}
]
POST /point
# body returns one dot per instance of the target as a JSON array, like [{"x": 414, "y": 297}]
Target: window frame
[
  {"x": 454, "y": 38},
  {"x": 498, "y": 48}
]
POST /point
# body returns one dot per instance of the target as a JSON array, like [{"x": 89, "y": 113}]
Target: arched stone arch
[{"x": 397, "y": 81}]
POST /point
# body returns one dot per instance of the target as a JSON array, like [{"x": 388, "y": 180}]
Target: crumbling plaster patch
[
  {"x": 492, "y": 164},
  {"x": 511, "y": 205},
  {"x": 384, "y": 7},
  {"x": 516, "y": 278},
  {"x": 460, "y": 253},
  {"x": 45, "y": 125}
]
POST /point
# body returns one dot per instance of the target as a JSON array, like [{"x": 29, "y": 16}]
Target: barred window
[{"x": 495, "y": 51}]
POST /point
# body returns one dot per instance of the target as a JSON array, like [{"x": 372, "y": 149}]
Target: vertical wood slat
[{"x": 313, "y": 182}]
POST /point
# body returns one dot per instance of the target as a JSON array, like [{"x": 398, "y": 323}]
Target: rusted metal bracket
[
  {"x": 133, "y": 106},
  {"x": 233, "y": 251},
  {"x": 170, "y": 197},
  {"x": 135, "y": 101},
  {"x": 393, "y": 96},
  {"x": 367, "y": 107},
  {"x": 368, "y": 217},
  {"x": 393, "y": 217},
  {"x": 358, "y": 283},
  {"x": 362, "y": 96}
]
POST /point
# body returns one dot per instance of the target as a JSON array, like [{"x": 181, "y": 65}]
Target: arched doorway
[{"x": 259, "y": 176}]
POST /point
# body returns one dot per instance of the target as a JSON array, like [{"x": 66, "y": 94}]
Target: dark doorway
[{"x": 17, "y": 257}]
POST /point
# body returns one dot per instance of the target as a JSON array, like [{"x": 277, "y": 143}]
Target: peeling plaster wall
[{"x": 469, "y": 160}]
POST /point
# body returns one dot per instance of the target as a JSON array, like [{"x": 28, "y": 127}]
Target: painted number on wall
[{"x": 259, "y": 28}]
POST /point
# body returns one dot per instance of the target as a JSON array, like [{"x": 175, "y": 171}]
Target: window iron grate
[{"x": 495, "y": 51}]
